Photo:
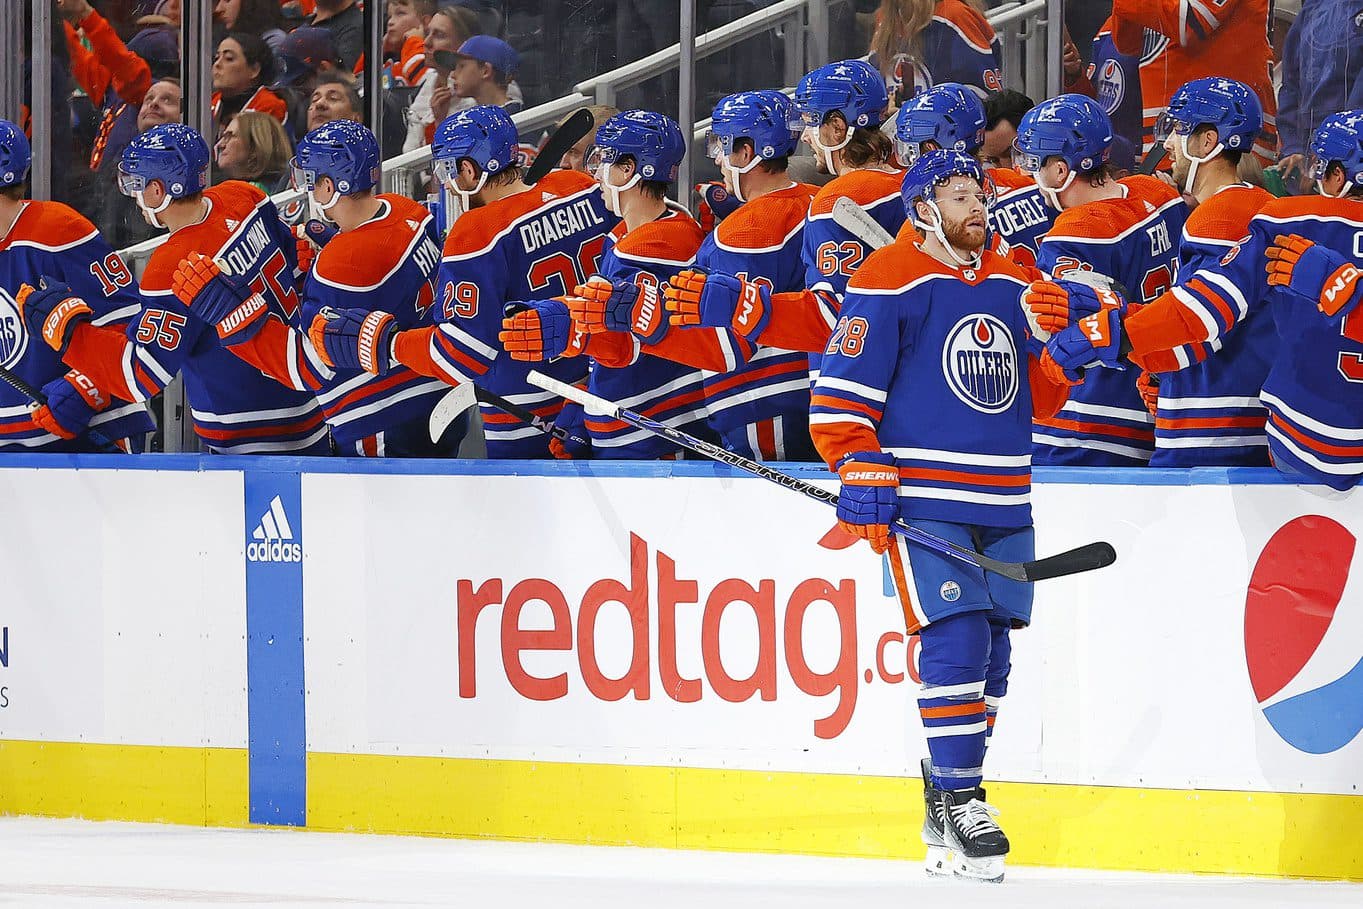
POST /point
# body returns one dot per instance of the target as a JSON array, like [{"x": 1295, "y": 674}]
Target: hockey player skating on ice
[
  {"x": 49, "y": 240},
  {"x": 924, "y": 407},
  {"x": 236, "y": 408},
  {"x": 1301, "y": 264},
  {"x": 383, "y": 259}
]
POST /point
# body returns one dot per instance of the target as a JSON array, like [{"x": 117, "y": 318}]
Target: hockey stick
[
  {"x": 557, "y": 145},
  {"x": 454, "y": 402},
  {"x": 1153, "y": 159},
  {"x": 451, "y": 406},
  {"x": 99, "y": 439},
  {"x": 1084, "y": 558},
  {"x": 855, "y": 220}
]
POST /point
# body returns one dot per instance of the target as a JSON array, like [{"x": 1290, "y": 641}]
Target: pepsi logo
[
  {"x": 980, "y": 363},
  {"x": 1302, "y": 649}
]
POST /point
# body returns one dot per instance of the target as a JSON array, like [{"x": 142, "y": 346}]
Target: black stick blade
[
  {"x": 1089, "y": 557},
  {"x": 564, "y": 138}
]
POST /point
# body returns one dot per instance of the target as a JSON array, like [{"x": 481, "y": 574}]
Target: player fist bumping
[
  {"x": 1052, "y": 306},
  {"x": 1094, "y": 340},
  {"x": 72, "y": 402},
  {"x": 540, "y": 330},
  {"x": 717, "y": 300},
  {"x": 354, "y": 339},
  {"x": 221, "y": 300},
  {"x": 52, "y": 312},
  {"x": 1310, "y": 270},
  {"x": 869, "y": 499},
  {"x": 605, "y": 305}
]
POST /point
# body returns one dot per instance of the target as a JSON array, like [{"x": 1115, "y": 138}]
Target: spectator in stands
[
  {"x": 345, "y": 21},
  {"x": 575, "y": 158},
  {"x": 159, "y": 13},
  {"x": 447, "y": 29},
  {"x": 242, "y": 67},
  {"x": 114, "y": 77},
  {"x": 404, "y": 43},
  {"x": 334, "y": 98},
  {"x": 305, "y": 56},
  {"x": 921, "y": 43},
  {"x": 255, "y": 17},
  {"x": 119, "y": 218},
  {"x": 1322, "y": 73},
  {"x": 483, "y": 71},
  {"x": 254, "y": 147},
  {"x": 1003, "y": 112}
]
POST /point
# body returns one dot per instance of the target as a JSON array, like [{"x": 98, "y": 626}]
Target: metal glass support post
[
  {"x": 818, "y": 34},
  {"x": 686, "y": 95},
  {"x": 12, "y": 64},
  {"x": 1055, "y": 19},
  {"x": 40, "y": 65},
  {"x": 372, "y": 77},
  {"x": 793, "y": 39}
]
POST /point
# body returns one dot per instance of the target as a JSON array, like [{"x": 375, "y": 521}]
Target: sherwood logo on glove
[{"x": 272, "y": 536}]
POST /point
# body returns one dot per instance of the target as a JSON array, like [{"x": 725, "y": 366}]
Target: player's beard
[
  {"x": 1178, "y": 169},
  {"x": 966, "y": 235}
]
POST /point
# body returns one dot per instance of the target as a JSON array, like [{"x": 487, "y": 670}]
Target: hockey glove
[
  {"x": 718, "y": 301},
  {"x": 309, "y": 239},
  {"x": 72, "y": 402},
  {"x": 1092, "y": 341},
  {"x": 540, "y": 330},
  {"x": 1052, "y": 306},
  {"x": 53, "y": 311},
  {"x": 573, "y": 419},
  {"x": 1147, "y": 383},
  {"x": 1310, "y": 270},
  {"x": 716, "y": 204},
  {"x": 221, "y": 300},
  {"x": 354, "y": 339},
  {"x": 605, "y": 305},
  {"x": 869, "y": 499}
]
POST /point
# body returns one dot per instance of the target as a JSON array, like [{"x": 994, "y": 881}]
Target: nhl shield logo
[
  {"x": 981, "y": 364},
  {"x": 13, "y": 336}
]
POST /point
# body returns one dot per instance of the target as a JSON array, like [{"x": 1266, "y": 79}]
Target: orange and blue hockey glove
[
  {"x": 1094, "y": 340},
  {"x": 355, "y": 339},
  {"x": 1052, "y": 306},
  {"x": 1309, "y": 270},
  {"x": 605, "y": 305},
  {"x": 72, "y": 402},
  {"x": 716, "y": 300},
  {"x": 1147, "y": 383},
  {"x": 868, "y": 501},
  {"x": 223, "y": 301},
  {"x": 52, "y": 312},
  {"x": 540, "y": 330}
]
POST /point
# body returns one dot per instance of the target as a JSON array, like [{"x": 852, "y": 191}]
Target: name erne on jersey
[
  {"x": 559, "y": 223},
  {"x": 241, "y": 258}
]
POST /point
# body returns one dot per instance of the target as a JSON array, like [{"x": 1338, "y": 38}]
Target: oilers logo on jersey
[
  {"x": 981, "y": 364},
  {"x": 13, "y": 335},
  {"x": 1110, "y": 85}
]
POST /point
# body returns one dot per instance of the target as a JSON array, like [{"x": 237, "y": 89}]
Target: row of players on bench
[{"x": 604, "y": 281}]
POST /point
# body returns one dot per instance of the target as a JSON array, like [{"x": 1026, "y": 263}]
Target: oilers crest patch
[
  {"x": 981, "y": 364},
  {"x": 13, "y": 335}
]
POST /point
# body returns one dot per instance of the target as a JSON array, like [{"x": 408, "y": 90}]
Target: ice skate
[
  {"x": 976, "y": 843},
  {"x": 939, "y": 859}
]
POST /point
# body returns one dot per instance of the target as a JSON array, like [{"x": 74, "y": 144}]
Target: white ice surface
[{"x": 46, "y": 863}]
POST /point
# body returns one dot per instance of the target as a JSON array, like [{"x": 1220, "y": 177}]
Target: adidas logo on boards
[{"x": 271, "y": 540}]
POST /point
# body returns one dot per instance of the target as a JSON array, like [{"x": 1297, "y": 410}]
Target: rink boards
[{"x": 664, "y": 655}]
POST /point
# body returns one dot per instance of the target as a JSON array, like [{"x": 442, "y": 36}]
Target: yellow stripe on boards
[
  {"x": 201, "y": 786},
  {"x": 1291, "y": 835}
]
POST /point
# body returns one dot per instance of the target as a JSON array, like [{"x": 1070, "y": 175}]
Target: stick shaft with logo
[
  {"x": 1084, "y": 558},
  {"x": 100, "y": 441}
]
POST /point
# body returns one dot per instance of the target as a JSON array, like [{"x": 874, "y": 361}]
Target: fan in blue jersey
[
  {"x": 616, "y": 317},
  {"x": 924, "y": 408},
  {"x": 1108, "y": 230},
  {"x": 49, "y": 240},
  {"x": 761, "y": 409},
  {"x": 513, "y": 243},
  {"x": 378, "y": 270},
  {"x": 236, "y": 408}
]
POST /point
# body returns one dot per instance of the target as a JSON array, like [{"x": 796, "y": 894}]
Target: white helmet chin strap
[
  {"x": 812, "y": 134},
  {"x": 149, "y": 214},
  {"x": 1053, "y": 194},
  {"x": 1194, "y": 161},
  {"x": 735, "y": 172},
  {"x": 465, "y": 197},
  {"x": 322, "y": 208},
  {"x": 937, "y": 230},
  {"x": 1344, "y": 191},
  {"x": 611, "y": 192}
]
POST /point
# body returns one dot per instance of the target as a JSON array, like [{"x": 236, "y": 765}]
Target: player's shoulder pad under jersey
[
  {"x": 1150, "y": 189},
  {"x": 364, "y": 257},
  {"x": 1007, "y": 180},
  {"x": 670, "y": 240},
  {"x": 158, "y": 275},
  {"x": 476, "y": 231},
  {"x": 864, "y": 187},
  {"x": 49, "y": 226},
  {"x": 1225, "y": 216},
  {"x": 972, "y": 27},
  {"x": 1286, "y": 208},
  {"x": 236, "y": 196},
  {"x": 767, "y": 222},
  {"x": 565, "y": 182}
]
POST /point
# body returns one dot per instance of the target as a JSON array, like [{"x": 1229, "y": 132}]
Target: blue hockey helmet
[
  {"x": 1073, "y": 128},
  {"x": 173, "y": 153},
  {"x": 15, "y": 154},
  {"x": 949, "y": 115},
  {"x": 1229, "y": 106},
  {"x": 484, "y": 135},
  {"x": 1339, "y": 139},
  {"x": 934, "y": 169},
  {"x": 654, "y": 142},
  {"x": 763, "y": 117},
  {"x": 343, "y": 150},
  {"x": 852, "y": 87}
]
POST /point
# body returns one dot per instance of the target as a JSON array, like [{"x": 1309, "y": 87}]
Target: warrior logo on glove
[{"x": 980, "y": 364}]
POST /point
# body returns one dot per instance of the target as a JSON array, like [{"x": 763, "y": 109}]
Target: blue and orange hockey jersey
[
  {"x": 1133, "y": 240},
  {"x": 1314, "y": 389},
  {"x": 761, "y": 242},
  {"x": 237, "y": 409},
  {"x": 1209, "y": 410},
  {"x": 1019, "y": 217},
  {"x": 932, "y": 364},
  {"x": 958, "y": 45},
  {"x": 50, "y": 240},
  {"x": 1116, "y": 81},
  {"x": 533, "y": 245}
]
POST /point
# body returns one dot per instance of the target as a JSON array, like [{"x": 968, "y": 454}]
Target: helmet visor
[
  {"x": 805, "y": 118},
  {"x": 910, "y": 151},
  {"x": 1026, "y": 162},
  {"x": 598, "y": 155},
  {"x": 446, "y": 169},
  {"x": 1169, "y": 125},
  {"x": 717, "y": 145},
  {"x": 130, "y": 184},
  {"x": 958, "y": 188},
  {"x": 300, "y": 177}
]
